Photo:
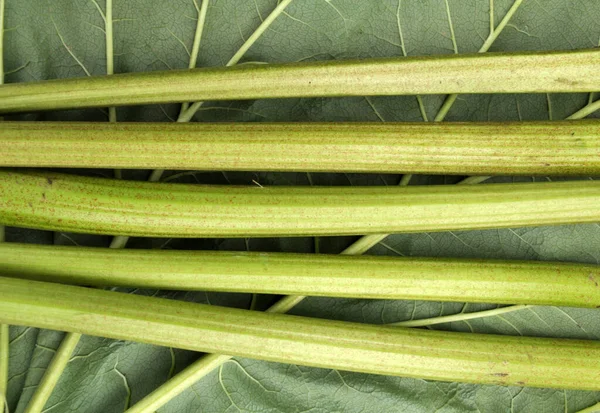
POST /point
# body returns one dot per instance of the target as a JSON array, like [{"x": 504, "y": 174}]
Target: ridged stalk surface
[
  {"x": 513, "y": 148},
  {"x": 439, "y": 279},
  {"x": 437, "y": 355},
  {"x": 523, "y": 72},
  {"x": 59, "y": 202}
]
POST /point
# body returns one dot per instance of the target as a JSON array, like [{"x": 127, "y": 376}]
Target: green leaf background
[{"x": 49, "y": 39}]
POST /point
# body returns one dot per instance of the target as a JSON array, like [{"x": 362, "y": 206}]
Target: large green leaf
[{"x": 48, "y": 39}]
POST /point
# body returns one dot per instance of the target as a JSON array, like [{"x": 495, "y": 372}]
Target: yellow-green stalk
[
  {"x": 59, "y": 202},
  {"x": 513, "y": 148},
  {"x": 523, "y": 72},
  {"x": 437, "y": 279},
  {"x": 436, "y": 355}
]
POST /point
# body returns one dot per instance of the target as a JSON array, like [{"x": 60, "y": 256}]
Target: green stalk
[
  {"x": 473, "y": 180},
  {"x": 60, "y": 360},
  {"x": 494, "y": 33},
  {"x": 459, "y": 317},
  {"x": 586, "y": 110},
  {"x": 436, "y": 355},
  {"x": 4, "y": 328},
  {"x": 208, "y": 362},
  {"x": 53, "y": 372},
  {"x": 530, "y": 72},
  {"x": 514, "y": 148},
  {"x": 67, "y": 203},
  {"x": 2, "y": 10},
  {"x": 202, "y": 10},
  {"x": 4, "y": 361},
  {"x": 4, "y": 334},
  {"x": 436, "y": 279},
  {"x": 179, "y": 383},
  {"x": 592, "y": 409},
  {"x": 188, "y": 113},
  {"x": 69, "y": 343},
  {"x": 110, "y": 67}
]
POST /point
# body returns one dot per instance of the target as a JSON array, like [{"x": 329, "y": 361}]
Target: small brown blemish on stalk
[
  {"x": 500, "y": 374},
  {"x": 567, "y": 81},
  {"x": 592, "y": 279},
  {"x": 521, "y": 383},
  {"x": 50, "y": 181}
]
